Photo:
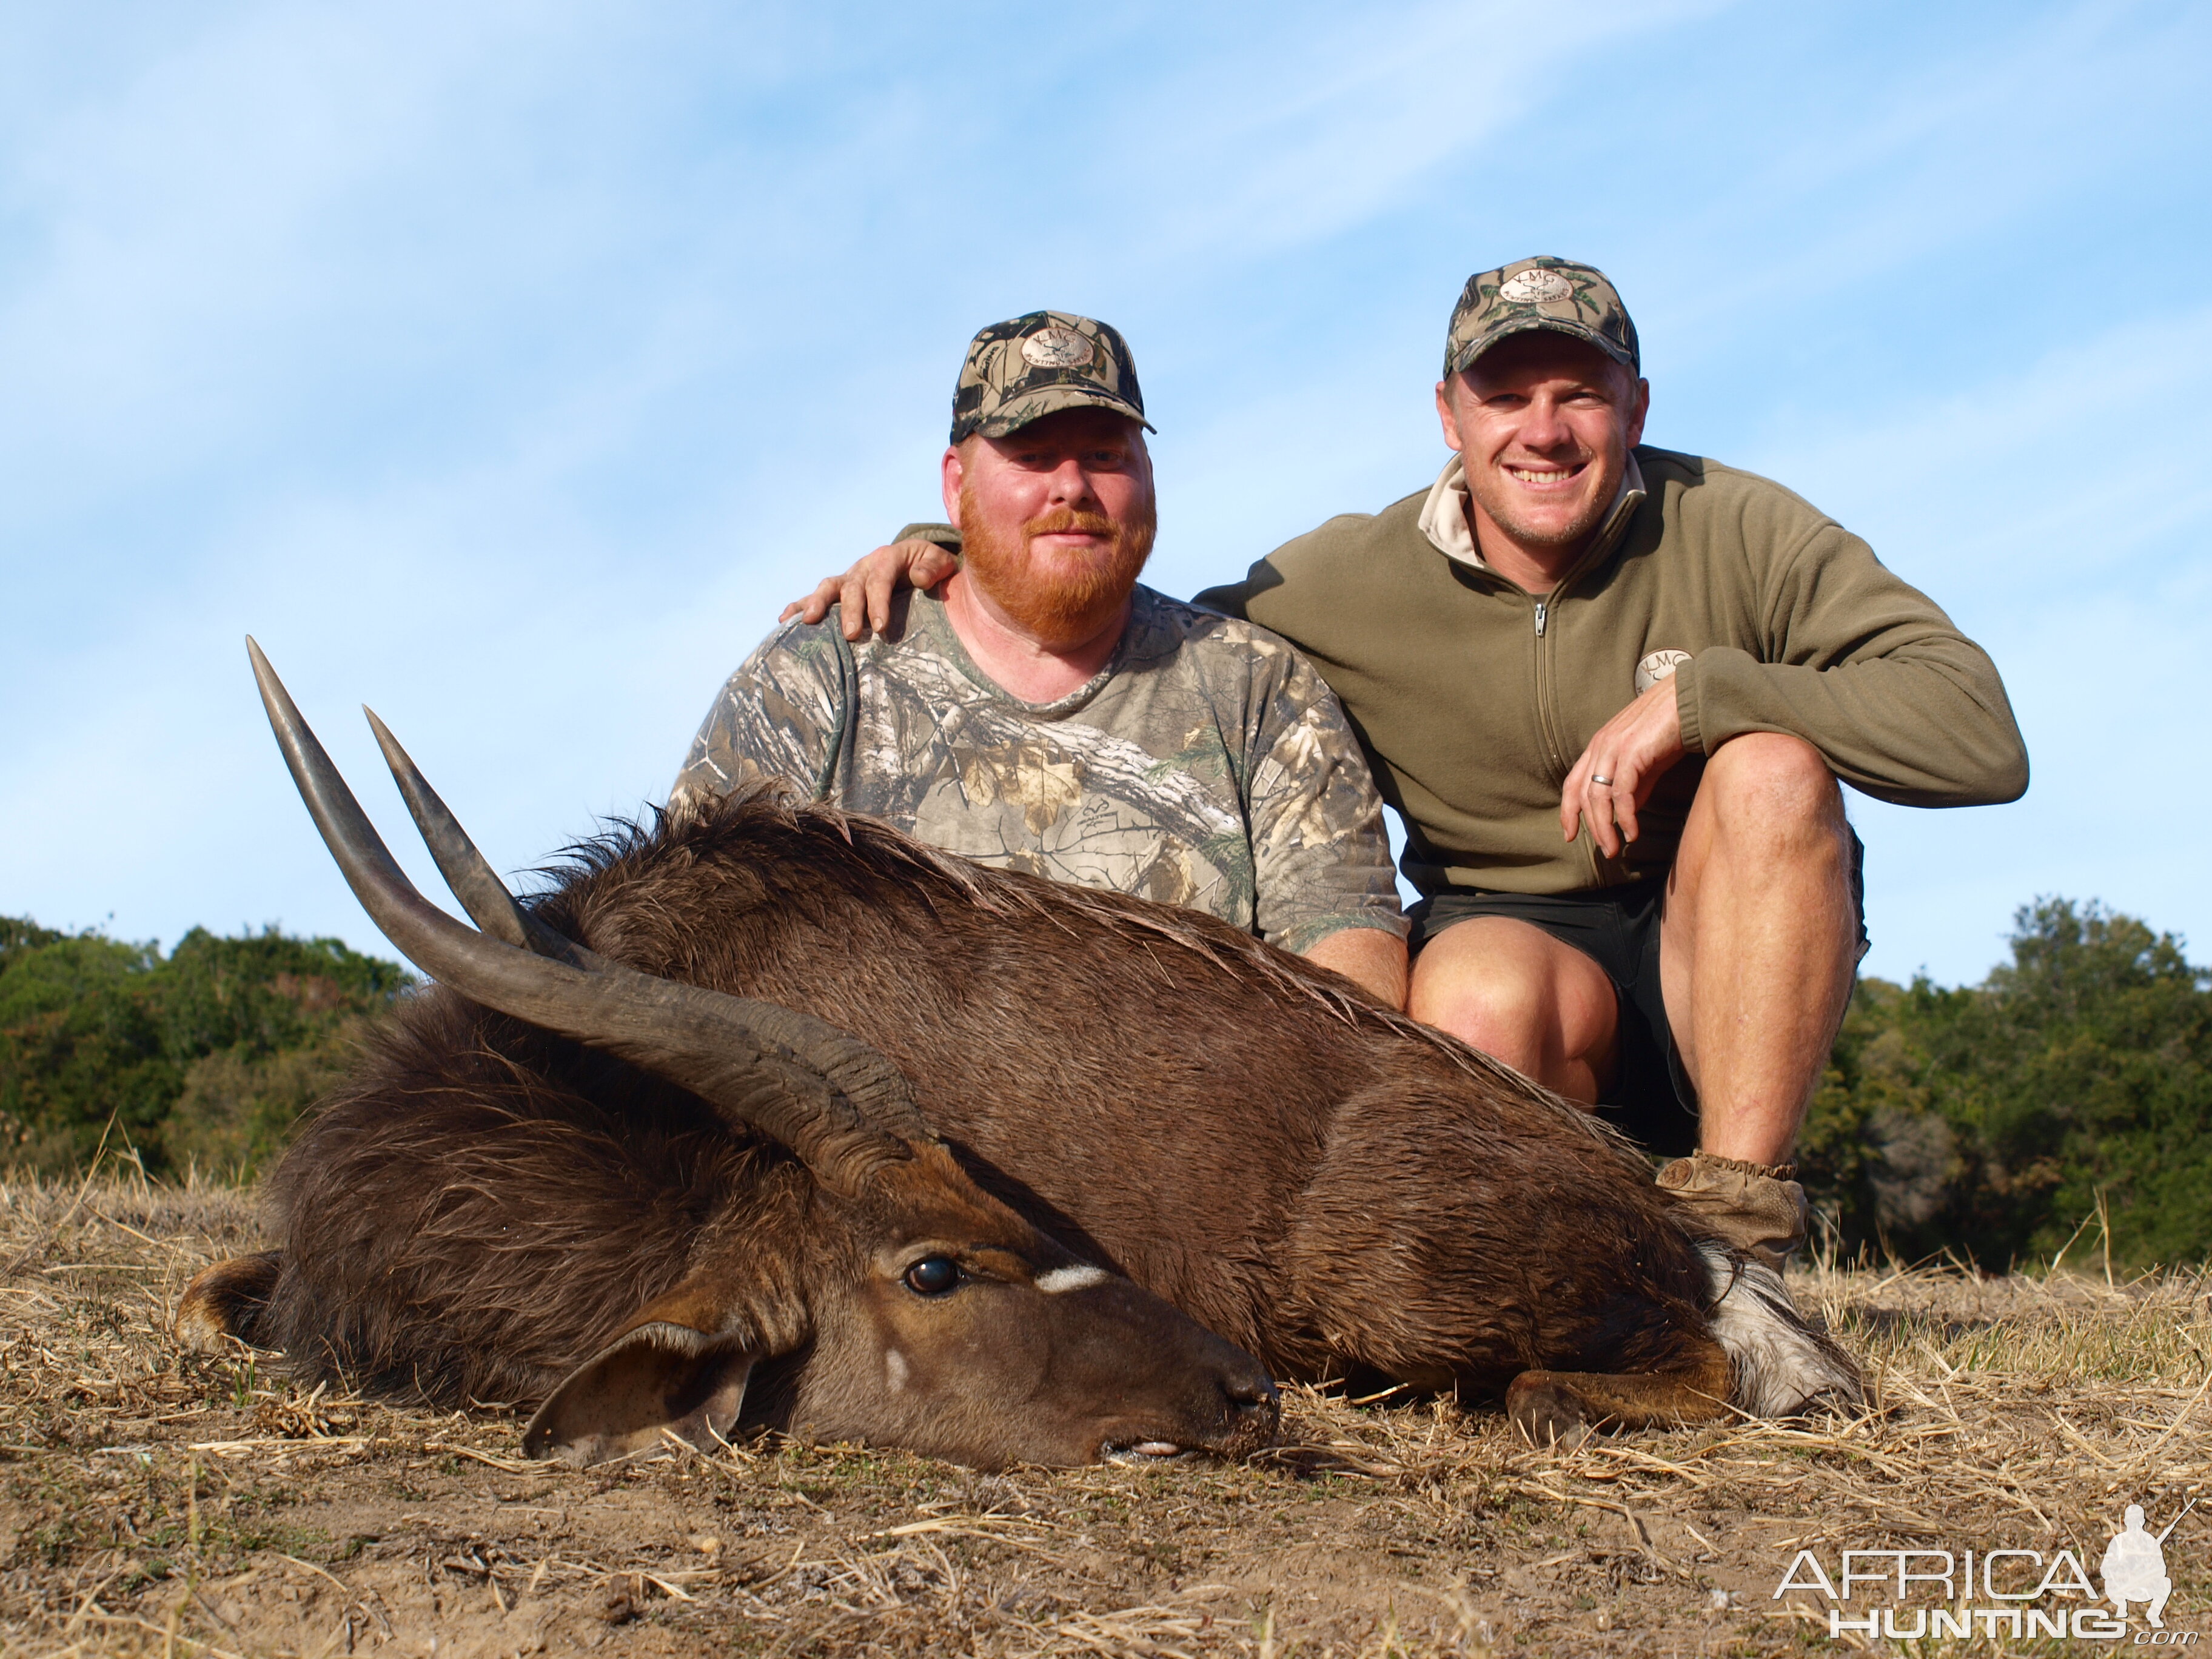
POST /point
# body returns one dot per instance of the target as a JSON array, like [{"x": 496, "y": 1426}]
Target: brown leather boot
[{"x": 1758, "y": 1207}]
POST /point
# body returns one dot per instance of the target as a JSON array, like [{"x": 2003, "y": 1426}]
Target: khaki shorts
[{"x": 1652, "y": 1099}]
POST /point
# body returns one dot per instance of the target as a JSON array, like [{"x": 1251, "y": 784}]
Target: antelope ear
[{"x": 655, "y": 1376}]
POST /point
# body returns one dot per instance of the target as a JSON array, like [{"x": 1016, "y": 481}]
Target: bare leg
[
  {"x": 1372, "y": 959},
  {"x": 1758, "y": 944},
  {"x": 1515, "y": 991}
]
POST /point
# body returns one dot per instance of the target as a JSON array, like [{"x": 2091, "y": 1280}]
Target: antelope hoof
[
  {"x": 1548, "y": 1413},
  {"x": 220, "y": 1305}
]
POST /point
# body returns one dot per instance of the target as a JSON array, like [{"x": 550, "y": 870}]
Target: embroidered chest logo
[{"x": 1659, "y": 665}]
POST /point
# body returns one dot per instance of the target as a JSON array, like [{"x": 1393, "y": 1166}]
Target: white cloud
[
  {"x": 1283, "y": 136},
  {"x": 507, "y": 365},
  {"x": 2062, "y": 514},
  {"x": 1850, "y": 207},
  {"x": 2060, "y": 473}
]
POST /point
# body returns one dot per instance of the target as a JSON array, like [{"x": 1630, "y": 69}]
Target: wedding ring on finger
[{"x": 1603, "y": 783}]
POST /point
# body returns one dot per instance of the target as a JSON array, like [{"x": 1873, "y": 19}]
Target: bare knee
[
  {"x": 1499, "y": 1002},
  {"x": 1542, "y": 1007},
  {"x": 1774, "y": 785}
]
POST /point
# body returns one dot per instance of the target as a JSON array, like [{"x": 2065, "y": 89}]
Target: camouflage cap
[
  {"x": 1039, "y": 364},
  {"x": 1539, "y": 293}
]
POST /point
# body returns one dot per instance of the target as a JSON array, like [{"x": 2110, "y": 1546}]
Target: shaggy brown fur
[
  {"x": 1324, "y": 1182},
  {"x": 486, "y": 1206},
  {"x": 483, "y": 1205}
]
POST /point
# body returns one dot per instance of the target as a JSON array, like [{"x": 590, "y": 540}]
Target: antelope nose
[{"x": 1254, "y": 1404}]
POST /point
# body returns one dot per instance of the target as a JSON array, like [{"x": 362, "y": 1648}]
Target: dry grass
[{"x": 153, "y": 1502}]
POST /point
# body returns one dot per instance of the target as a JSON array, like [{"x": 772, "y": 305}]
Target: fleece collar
[{"x": 1444, "y": 515}]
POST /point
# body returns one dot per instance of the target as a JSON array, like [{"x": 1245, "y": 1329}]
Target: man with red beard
[
  {"x": 1042, "y": 710},
  {"x": 1614, "y": 691}
]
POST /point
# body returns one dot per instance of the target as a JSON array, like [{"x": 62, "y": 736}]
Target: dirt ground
[{"x": 156, "y": 1503}]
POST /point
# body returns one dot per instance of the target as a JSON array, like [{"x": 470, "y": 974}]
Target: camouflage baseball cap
[
  {"x": 1539, "y": 293},
  {"x": 1039, "y": 364}
]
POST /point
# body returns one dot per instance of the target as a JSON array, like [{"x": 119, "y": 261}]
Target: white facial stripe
[
  {"x": 1070, "y": 1279},
  {"x": 895, "y": 1370}
]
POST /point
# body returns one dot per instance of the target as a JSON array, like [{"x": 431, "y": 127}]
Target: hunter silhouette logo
[
  {"x": 2135, "y": 1566},
  {"x": 1910, "y": 1595}
]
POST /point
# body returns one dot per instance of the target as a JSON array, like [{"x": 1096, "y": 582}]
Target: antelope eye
[{"x": 933, "y": 1275}]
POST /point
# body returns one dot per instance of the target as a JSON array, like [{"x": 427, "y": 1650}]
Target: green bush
[
  {"x": 206, "y": 1056},
  {"x": 237, "y": 1112},
  {"x": 1986, "y": 1121},
  {"x": 1990, "y": 1121}
]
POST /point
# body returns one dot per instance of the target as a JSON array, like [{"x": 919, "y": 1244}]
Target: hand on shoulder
[{"x": 865, "y": 592}]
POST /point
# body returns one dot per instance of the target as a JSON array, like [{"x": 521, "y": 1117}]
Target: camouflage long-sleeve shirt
[{"x": 1206, "y": 765}]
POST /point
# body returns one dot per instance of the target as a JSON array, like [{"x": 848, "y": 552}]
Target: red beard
[{"x": 1054, "y": 601}]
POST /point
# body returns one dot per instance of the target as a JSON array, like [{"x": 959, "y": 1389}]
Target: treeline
[
  {"x": 204, "y": 1058},
  {"x": 1989, "y": 1121},
  {"x": 2072, "y": 1086}
]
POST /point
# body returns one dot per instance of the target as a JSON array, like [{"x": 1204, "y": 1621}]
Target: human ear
[
  {"x": 1448, "y": 416},
  {"x": 951, "y": 473}
]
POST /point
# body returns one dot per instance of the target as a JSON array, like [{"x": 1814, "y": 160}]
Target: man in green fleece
[{"x": 1611, "y": 689}]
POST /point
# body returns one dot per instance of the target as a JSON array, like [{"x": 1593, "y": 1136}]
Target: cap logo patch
[
  {"x": 1535, "y": 286},
  {"x": 1659, "y": 665},
  {"x": 1056, "y": 347}
]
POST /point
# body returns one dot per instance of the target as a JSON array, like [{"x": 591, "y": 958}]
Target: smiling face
[
  {"x": 1543, "y": 422},
  {"x": 1057, "y": 520}
]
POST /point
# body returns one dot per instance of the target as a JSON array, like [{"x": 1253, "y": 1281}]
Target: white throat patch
[{"x": 1783, "y": 1365}]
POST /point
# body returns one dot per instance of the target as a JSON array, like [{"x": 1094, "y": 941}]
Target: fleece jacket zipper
[{"x": 1546, "y": 646}]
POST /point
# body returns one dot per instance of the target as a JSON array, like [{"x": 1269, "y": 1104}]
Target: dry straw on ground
[{"x": 152, "y": 1503}]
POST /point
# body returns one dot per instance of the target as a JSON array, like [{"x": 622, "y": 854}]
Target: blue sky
[{"x": 504, "y": 366}]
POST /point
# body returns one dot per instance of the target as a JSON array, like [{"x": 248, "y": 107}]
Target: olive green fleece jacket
[{"x": 1475, "y": 698}]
